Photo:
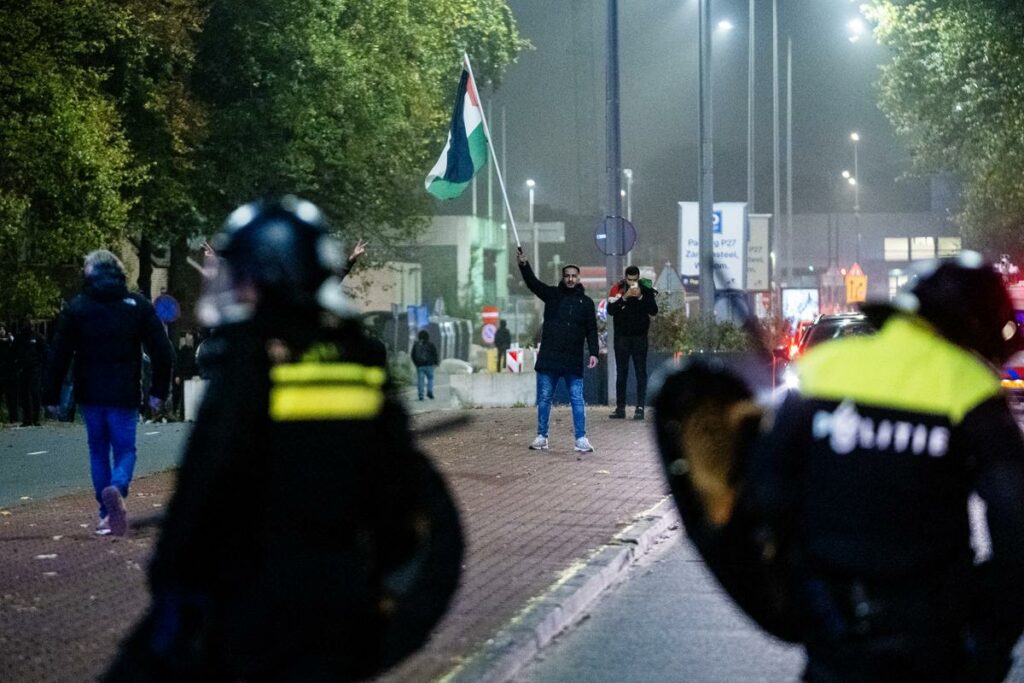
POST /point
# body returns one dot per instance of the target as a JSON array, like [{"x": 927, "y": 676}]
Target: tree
[
  {"x": 955, "y": 89},
  {"x": 341, "y": 102},
  {"x": 66, "y": 172}
]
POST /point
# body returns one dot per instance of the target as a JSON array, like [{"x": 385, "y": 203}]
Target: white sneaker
[
  {"x": 103, "y": 527},
  {"x": 539, "y": 444},
  {"x": 583, "y": 445}
]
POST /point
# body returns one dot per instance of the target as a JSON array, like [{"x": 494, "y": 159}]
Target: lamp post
[
  {"x": 855, "y": 138},
  {"x": 705, "y": 180},
  {"x": 628, "y": 196},
  {"x": 536, "y": 245}
]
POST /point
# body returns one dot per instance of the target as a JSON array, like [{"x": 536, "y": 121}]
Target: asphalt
[{"x": 546, "y": 533}]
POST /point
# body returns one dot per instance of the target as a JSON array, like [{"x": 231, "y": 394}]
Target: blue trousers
[
  {"x": 111, "y": 431},
  {"x": 425, "y": 374},
  {"x": 546, "y": 382}
]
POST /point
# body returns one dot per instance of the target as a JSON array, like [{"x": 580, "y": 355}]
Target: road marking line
[
  {"x": 151, "y": 433},
  {"x": 38, "y": 452}
]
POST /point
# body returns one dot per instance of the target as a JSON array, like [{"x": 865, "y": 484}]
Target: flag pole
[{"x": 490, "y": 145}]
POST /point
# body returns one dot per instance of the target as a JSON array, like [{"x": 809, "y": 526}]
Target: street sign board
[
  {"x": 614, "y": 236},
  {"x": 729, "y": 234},
  {"x": 167, "y": 308}
]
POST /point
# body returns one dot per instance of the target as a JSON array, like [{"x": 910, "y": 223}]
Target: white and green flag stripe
[{"x": 465, "y": 153}]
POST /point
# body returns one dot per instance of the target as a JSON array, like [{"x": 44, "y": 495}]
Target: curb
[{"x": 579, "y": 587}]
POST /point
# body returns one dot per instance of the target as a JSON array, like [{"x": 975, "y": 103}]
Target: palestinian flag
[{"x": 465, "y": 153}]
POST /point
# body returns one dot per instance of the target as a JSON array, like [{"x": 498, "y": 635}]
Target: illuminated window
[
  {"x": 922, "y": 248},
  {"x": 896, "y": 249},
  {"x": 949, "y": 246},
  {"x": 897, "y": 278}
]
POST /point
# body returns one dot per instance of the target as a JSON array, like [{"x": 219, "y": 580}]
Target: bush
[{"x": 674, "y": 331}]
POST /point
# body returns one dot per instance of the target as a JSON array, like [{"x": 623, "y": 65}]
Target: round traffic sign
[
  {"x": 614, "y": 236},
  {"x": 167, "y": 308},
  {"x": 487, "y": 333}
]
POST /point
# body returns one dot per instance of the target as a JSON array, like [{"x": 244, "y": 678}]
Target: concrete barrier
[
  {"x": 493, "y": 390},
  {"x": 194, "y": 390}
]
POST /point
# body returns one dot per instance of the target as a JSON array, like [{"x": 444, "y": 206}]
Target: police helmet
[
  {"x": 274, "y": 256},
  {"x": 967, "y": 302}
]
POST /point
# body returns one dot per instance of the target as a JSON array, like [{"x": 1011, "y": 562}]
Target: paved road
[
  {"x": 38, "y": 463},
  {"x": 45, "y": 462},
  {"x": 668, "y": 622}
]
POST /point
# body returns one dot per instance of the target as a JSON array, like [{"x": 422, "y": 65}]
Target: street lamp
[
  {"x": 855, "y": 138},
  {"x": 725, "y": 25},
  {"x": 536, "y": 246}
]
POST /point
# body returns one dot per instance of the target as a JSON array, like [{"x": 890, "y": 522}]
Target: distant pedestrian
[
  {"x": 569, "y": 321},
  {"x": 104, "y": 330},
  {"x": 502, "y": 342},
  {"x": 425, "y": 358},
  {"x": 184, "y": 370},
  {"x": 632, "y": 304},
  {"x": 29, "y": 359},
  {"x": 8, "y": 378}
]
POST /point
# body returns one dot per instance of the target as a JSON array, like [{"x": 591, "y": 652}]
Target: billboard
[
  {"x": 800, "y": 303},
  {"x": 729, "y": 231}
]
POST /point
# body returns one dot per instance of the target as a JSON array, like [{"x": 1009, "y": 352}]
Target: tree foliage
[
  {"x": 955, "y": 89},
  {"x": 66, "y": 172},
  {"x": 151, "y": 119}
]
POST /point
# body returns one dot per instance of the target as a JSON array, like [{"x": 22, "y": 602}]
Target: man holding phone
[{"x": 632, "y": 304}]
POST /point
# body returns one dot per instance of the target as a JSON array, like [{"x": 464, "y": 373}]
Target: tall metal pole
[
  {"x": 613, "y": 168},
  {"x": 776, "y": 201},
  {"x": 751, "y": 63},
  {"x": 490, "y": 175},
  {"x": 856, "y": 189},
  {"x": 789, "y": 156},
  {"x": 628, "y": 172},
  {"x": 705, "y": 180}
]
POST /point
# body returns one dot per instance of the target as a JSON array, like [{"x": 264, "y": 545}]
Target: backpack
[{"x": 421, "y": 353}]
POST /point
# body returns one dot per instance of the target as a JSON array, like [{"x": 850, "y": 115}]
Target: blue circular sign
[{"x": 167, "y": 308}]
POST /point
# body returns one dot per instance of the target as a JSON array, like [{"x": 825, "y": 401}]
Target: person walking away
[
  {"x": 632, "y": 304},
  {"x": 425, "y": 358},
  {"x": 8, "y": 378},
  {"x": 30, "y": 358},
  {"x": 184, "y": 370},
  {"x": 502, "y": 342},
  {"x": 569, "y": 322},
  {"x": 308, "y": 538},
  {"x": 105, "y": 330}
]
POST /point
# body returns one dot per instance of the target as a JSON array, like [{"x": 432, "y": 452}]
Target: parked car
[{"x": 833, "y": 326}]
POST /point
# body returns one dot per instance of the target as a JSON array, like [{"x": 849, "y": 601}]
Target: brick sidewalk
[{"x": 67, "y": 596}]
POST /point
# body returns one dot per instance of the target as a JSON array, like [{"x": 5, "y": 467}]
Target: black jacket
[
  {"x": 569, "y": 320},
  {"x": 502, "y": 338},
  {"x": 297, "y": 474},
  {"x": 105, "y": 329},
  {"x": 868, "y": 469},
  {"x": 633, "y": 315},
  {"x": 424, "y": 353}
]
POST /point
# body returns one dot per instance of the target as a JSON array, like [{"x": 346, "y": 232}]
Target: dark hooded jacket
[
  {"x": 569, "y": 320},
  {"x": 105, "y": 329}
]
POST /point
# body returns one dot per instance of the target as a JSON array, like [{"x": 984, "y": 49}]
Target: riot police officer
[
  {"x": 845, "y": 524},
  {"x": 308, "y": 538}
]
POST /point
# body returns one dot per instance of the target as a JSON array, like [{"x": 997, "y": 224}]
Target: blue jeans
[
  {"x": 546, "y": 382},
  {"x": 425, "y": 373},
  {"x": 110, "y": 429}
]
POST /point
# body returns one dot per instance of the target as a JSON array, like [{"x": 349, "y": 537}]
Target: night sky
[{"x": 554, "y": 99}]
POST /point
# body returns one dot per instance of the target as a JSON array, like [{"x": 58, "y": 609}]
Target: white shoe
[
  {"x": 539, "y": 444},
  {"x": 117, "y": 515},
  {"x": 583, "y": 445},
  {"x": 103, "y": 527}
]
